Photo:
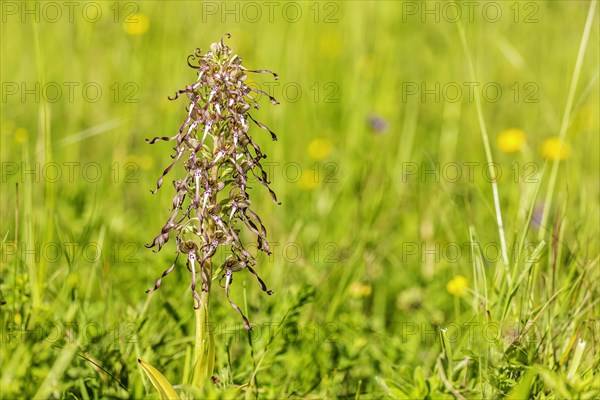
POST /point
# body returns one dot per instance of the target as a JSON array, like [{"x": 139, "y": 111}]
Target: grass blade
[{"x": 162, "y": 385}]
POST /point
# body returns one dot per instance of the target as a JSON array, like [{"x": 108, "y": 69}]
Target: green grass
[{"x": 361, "y": 259}]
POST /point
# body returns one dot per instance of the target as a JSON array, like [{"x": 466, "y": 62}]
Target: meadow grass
[{"x": 392, "y": 275}]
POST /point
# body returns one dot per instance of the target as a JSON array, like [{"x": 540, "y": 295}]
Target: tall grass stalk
[
  {"x": 566, "y": 120},
  {"x": 487, "y": 147},
  {"x": 50, "y": 184}
]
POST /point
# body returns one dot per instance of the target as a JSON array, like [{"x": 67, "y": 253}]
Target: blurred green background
[{"x": 382, "y": 174}]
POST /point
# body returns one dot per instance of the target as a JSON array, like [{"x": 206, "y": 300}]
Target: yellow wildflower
[
  {"x": 308, "y": 180},
  {"x": 458, "y": 286},
  {"x": 361, "y": 289},
  {"x": 137, "y": 24},
  {"x": 147, "y": 162},
  {"x": 319, "y": 148},
  {"x": 21, "y": 135},
  {"x": 360, "y": 341},
  {"x": 511, "y": 140},
  {"x": 330, "y": 45},
  {"x": 554, "y": 150}
]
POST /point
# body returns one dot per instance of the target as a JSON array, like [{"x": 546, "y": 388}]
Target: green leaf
[
  {"x": 522, "y": 389},
  {"x": 390, "y": 390},
  {"x": 162, "y": 385},
  {"x": 554, "y": 381}
]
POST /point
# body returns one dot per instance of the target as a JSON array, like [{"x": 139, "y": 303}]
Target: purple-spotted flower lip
[{"x": 218, "y": 155}]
